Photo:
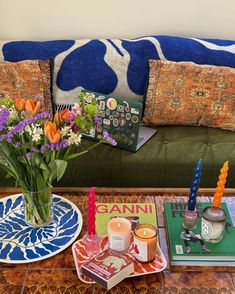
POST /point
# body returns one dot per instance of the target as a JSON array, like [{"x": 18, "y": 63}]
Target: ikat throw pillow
[
  {"x": 26, "y": 79},
  {"x": 185, "y": 93}
]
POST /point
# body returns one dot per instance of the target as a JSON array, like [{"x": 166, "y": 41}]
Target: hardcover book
[
  {"x": 135, "y": 212},
  {"x": 108, "y": 268},
  {"x": 189, "y": 246}
]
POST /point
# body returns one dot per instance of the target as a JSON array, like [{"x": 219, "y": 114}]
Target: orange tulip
[
  {"x": 65, "y": 114},
  {"x": 51, "y": 132},
  {"x": 20, "y": 104},
  {"x": 54, "y": 135},
  {"x": 47, "y": 126},
  {"x": 32, "y": 108},
  {"x": 58, "y": 118}
]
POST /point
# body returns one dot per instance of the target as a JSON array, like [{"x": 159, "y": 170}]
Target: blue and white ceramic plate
[{"x": 21, "y": 243}]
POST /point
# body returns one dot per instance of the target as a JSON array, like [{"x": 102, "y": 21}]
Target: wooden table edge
[{"x": 147, "y": 190}]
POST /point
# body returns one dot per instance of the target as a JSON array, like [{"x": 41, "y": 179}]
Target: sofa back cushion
[
  {"x": 114, "y": 66},
  {"x": 28, "y": 79},
  {"x": 185, "y": 93}
]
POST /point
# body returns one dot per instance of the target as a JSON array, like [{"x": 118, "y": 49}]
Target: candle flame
[
  {"x": 119, "y": 225},
  {"x": 144, "y": 233}
]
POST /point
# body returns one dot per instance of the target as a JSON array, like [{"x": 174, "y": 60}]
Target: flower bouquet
[{"x": 36, "y": 147}]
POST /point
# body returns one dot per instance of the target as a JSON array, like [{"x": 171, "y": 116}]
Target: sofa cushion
[
  {"x": 185, "y": 93},
  {"x": 166, "y": 160},
  {"x": 114, "y": 66},
  {"x": 26, "y": 79}
]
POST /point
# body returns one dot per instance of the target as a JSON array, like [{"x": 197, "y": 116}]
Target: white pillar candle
[{"x": 119, "y": 234}]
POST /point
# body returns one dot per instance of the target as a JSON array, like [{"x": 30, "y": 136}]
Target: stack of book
[
  {"x": 108, "y": 268},
  {"x": 188, "y": 248}
]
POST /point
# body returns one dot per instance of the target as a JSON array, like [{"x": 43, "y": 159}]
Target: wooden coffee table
[{"x": 58, "y": 274}]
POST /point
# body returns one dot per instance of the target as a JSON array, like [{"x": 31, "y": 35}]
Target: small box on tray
[{"x": 108, "y": 268}]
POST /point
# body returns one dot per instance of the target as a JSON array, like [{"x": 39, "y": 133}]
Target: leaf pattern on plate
[{"x": 21, "y": 243}]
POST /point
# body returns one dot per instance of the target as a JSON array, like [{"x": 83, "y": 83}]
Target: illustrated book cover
[
  {"x": 108, "y": 268},
  {"x": 135, "y": 212},
  {"x": 189, "y": 246}
]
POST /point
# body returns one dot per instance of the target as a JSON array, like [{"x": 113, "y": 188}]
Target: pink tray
[{"x": 80, "y": 256}]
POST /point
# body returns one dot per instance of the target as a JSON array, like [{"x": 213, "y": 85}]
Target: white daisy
[
  {"x": 36, "y": 137},
  {"x": 28, "y": 129},
  {"x": 74, "y": 138},
  {"x": 13, "y": 113},
  {"x": 64, "y": 131},
  {"x": 37, "y": 132}
]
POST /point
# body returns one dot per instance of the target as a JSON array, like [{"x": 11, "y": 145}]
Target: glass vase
[{"x": 38, "y": 207}]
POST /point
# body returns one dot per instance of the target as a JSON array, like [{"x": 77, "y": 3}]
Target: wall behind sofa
[{"x": 56, "y": 19}]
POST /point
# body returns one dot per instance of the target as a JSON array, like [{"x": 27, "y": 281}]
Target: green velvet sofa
[{"x": 166, "y": 160}]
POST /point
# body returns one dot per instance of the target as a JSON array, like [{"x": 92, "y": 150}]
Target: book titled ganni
[{"x": 135, "y": 212}]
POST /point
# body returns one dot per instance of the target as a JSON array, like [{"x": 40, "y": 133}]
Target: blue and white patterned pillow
[{"x": 113, "y": 66}]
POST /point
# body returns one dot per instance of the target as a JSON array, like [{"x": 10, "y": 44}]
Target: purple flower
[
  {"x": 17, "y": 144},
  {"x": 97, "y": 119},
  {"x": 71, "y": 116},
  {"x": 74, "y": 126},
  {"x": 43, "y": 149},
  {"x": 54, "y": 146},
  {"x": 2, "y": 137},
  {"x": 41, "y": 114},
  {"x": 113, "y": 142},
  {"x": 22, "y": 124},
  {"x": 35, "y": 149},
  {"x": 105, "y": 134},
  {"x": 109, "y": 139},
  {"x": 4, "y": 116},
  {"x": 28, "y": 155},
  {"x": 38, "y": 97}
]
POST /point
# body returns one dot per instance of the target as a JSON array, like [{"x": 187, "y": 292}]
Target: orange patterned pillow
[
  {"x": 185, "y": 93},
  {"x": 26, "y": 79}
]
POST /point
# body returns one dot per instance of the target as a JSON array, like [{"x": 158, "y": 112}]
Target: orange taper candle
[{"x": 220, "y": 185}]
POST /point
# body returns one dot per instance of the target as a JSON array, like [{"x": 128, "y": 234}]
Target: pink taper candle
[{"x": 91, "y": 228}]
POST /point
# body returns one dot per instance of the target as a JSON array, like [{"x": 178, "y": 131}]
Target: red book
[{"x": 108, "y": 268}]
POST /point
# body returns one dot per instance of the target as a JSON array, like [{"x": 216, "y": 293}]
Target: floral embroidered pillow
[
  {"x": 29, "y": 79},
  {"x": 185, "y": 93}
]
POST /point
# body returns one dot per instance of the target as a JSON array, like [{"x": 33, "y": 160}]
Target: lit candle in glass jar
[
  {"x": 119, "y": 234},
  {"x": 213, "y": 224},
  {"x": 145, "y": 242}
]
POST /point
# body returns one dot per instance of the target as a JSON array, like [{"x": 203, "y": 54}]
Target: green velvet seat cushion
[{"x": 166, "y": 160}]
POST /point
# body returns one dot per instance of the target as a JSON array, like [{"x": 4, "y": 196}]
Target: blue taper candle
[{"x": 195, "y": 185}]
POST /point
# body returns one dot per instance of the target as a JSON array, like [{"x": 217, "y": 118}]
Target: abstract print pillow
[
  {"x": 185, "y": 93},
  {"x": 27, "y": 79}
]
